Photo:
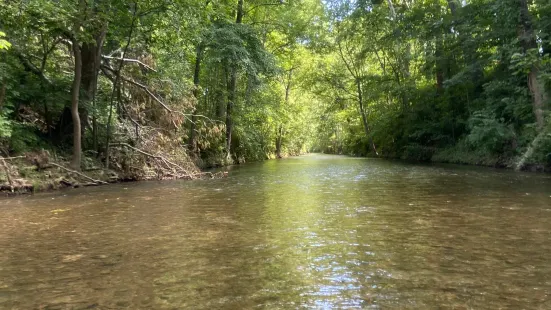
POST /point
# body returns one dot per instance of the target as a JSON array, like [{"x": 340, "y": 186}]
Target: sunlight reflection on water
[{"x": 317, "y": 231}]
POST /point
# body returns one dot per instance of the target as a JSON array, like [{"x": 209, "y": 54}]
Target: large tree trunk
[
  {"x": 91, "y": 61},
  {"x": 232, "y": 88},
  {"x": 528, "y": 40},
  {"x": 75, "y": 91},
  {"x": 539, "y": 97}
]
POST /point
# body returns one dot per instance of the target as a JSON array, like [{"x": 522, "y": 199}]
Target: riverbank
[
  {"x": 459, "y": 155},
  {"x": 27, "y": 174},
  {"x": 39, "y": 172},
  {"x": 462, "y": 155}
]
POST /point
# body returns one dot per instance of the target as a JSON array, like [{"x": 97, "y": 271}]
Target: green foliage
[
  {"x": 419, "y": 80},
  {"x": 5, "y": 127},
  {"x": 437, "y": 80},
  {"x": 24, "y": 138},
  {"x": 487, "y": 132},
  {"x": 4, "y": 45},
  {"x": 463, "y": 153}
]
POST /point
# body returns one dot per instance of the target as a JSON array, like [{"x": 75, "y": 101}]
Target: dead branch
[
  {"x": 530, "y": 151},
  {"x": 187, "y": 116},
  {"x": 151, "y": 94},
  {"x": 167, "y": 162},
  {"x": 129, "y": 60},
  {"x": 10, "y": 158},
  {"x": 78, "y": 173}
]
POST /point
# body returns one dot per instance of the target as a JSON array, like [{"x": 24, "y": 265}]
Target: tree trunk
[
  {"x": 2, "y": 96},
  {"x": 539, "y": 97},
  {"x": 537, "y": 89},
  {"x": 406, "y": 74},
  {"x": 363, "y": 114},
  {"x": 439, "y": 65},
  {"x": 75, "y": 91},
  {"x": 392, "y": 10},
  {"x": 91, "y": 61},
  {"x": 239, "y": 15},
  {"x": 452, "y": 5},
  {"x": 280, "y": 130},
  {"x": 196, "y": 75},
  {"x": 117, "y": 86},
  {"x": 232, "y": 88},
  {"x": 279, "y": 140}
]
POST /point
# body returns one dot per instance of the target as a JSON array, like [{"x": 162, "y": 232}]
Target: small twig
[{"x": 78, "y": 173}]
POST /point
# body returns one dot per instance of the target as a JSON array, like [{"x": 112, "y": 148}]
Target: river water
[{"x": 318, "y": 232}]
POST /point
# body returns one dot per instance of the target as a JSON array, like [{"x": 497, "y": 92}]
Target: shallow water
[{"x": 315, "y": 232}]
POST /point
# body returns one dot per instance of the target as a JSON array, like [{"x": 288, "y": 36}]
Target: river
[{"x": 318, "y": 231}]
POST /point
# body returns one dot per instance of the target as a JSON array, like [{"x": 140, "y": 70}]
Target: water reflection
[{"x": 316, "y": 231}]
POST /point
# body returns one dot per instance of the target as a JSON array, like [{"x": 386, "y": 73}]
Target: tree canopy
[{"x": 219, "y": 81}]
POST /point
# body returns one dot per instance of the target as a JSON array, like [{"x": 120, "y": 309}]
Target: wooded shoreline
[
  {"x": 53, "y": 176},
  {"x": 161, "y": 89}
]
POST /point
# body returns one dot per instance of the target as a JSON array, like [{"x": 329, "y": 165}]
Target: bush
[{"x": 489, "y": 133}]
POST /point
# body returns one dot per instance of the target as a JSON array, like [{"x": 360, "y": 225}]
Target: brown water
[{"x": 315, "y": 232}]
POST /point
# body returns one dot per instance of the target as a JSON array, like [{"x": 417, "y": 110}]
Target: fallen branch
[
  {"x": 152, "y": 95},
  {"x": 80, "y": 174},
  {"x": 129, "y": 60},
  {"x": 105, "y": 70},
  {"x": 10, "y": 158},
  {"x": 159, "y": 101},
  {"x": 530, "y": 151},
  {"x": 158, "y": 157}
]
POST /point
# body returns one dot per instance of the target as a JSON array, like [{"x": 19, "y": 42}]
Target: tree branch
[
  {"x": 80, "y": 174},
  {"x": 129, "y": 60},
  {"x": 186, "y": 173}
]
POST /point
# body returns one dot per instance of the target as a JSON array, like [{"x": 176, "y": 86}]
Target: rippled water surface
[{"x": 320, "y": 232}]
